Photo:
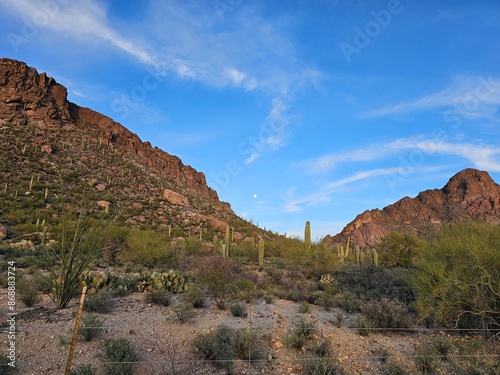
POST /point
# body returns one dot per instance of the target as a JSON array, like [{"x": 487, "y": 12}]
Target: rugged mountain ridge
[
  {"x": 27, "y": 97},
  {"x": 469, "y": 194}
]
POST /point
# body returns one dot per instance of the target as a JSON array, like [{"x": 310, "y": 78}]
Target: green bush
[
  {"x": 301, "y": 334},
  {"x": 246, "y": 345},
  {"x": 29, "y": 294},
  {"x": 217, "y": 347},
  {"x": 120, "y": 357},
  {"x": 322, "y": 366},
  {"x": 194, "y": 296},
  {"x": 363, "y": 325},
  {"x": 387, "y": 314},
  {"x": 184, "y": 312},
  {"x": 219, "y": 275},
  {"x": 160, "y": 297},
  {"x": 101, "y": 302},
  {"x": 374, "y": 283},
  {"x": 458, "y": 278},
  {"x": 84, "y": 369},
  {"x": 238, "y": 309},
  {"x": 399, "y": 249},
  {"x": 91, "y": 327}
]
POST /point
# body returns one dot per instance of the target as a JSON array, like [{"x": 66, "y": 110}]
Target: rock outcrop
[
  {"x": 27, "y": 97},
  {"x": 470, "y": 194}
]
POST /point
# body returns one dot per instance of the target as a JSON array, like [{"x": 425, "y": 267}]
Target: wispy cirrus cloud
[
  {"x": 273, "y": 132},
  {"x": 187, "y": 40},
  {"x": 482, "y": 156},
  {"x": 474, "y": 97},
  {"x": 323, "y": 194}
]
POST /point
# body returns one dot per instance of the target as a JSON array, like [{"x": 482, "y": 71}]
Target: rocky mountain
[
  {"x": 470, "y": 194},
  {"x": 48, "y": 143},
  {"x": 27, "y": 97}
]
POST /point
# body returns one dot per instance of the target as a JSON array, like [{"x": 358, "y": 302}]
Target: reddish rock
[
  {"x": 174, "y": 198},
  {"x": 470, "y": 194}
]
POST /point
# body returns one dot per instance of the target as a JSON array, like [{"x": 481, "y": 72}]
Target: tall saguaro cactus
[
  {"x": 227, "y": 238},
  {"x": 307, "y": 236},
  {"x": 261, "y": 252}
]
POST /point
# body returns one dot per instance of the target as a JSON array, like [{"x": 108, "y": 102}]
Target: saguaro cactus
[
  {"x": 358, "y": 256},
  {"x": 375, "y": 257},
  {"x": 347, "y": 248},
  {"x": 227, "y": 239},
  {"x": 215, "y": 243},
  {"x": 261, "y": 252},
  {"x": 307, "y": 236}
]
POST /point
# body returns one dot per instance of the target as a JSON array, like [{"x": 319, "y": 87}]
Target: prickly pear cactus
[
  {"x": 326, "y": 279},
  {"x": 170, "y": 281}
]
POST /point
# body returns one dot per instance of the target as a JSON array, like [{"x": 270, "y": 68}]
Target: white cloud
[
  {"x": 273, "y": 132},
  {"x": 473, "y": 97},
  {"x": 481, "y": 156}
]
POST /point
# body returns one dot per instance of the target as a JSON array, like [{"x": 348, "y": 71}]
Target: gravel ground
[{"x": 163, "y": 344}]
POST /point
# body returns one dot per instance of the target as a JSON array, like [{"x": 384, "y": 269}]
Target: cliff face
[
  {"x": 470, "y": 194},
  {"x": 27, "y": 97}
]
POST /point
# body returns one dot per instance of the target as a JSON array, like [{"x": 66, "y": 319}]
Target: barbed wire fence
[{"x": 170, "y": 360}]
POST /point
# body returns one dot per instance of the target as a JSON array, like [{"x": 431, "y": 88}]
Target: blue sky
[{"x": 295, "y": 110}]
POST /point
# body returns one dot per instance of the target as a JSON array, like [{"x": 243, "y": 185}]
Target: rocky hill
[
  {"x": 470, "y": 194},
  {"x": 48, "y": 144}
]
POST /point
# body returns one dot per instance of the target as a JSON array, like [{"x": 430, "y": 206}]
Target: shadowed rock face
[
  {"x": 27, "y": 97},
  {"x": 470, "y": 194}
]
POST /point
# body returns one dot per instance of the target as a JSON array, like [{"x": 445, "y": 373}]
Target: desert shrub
[
  {"x": 442, "y": 346},
  {"x": 363, "y": 325},
  {"x": 184, "y": 312},
  {"x": 374, "y": 283},
  {"x": 84, "y": 369},
  {"x": 458, "y": 278},
  {"x": 425, "y": 358},
  {"x": 101, "y": 302},
  {"x": 160, "y": 297},
  {"x": 217, "y": 347},
  {"x": 219, "y": 275},
  {"x": 246, "y": 345},
  {"x": 194, "y": 296},
  {"x": 348, "y": 302},
  {"x": 393, "y": 367},
  {"x": 28, "y": 291},
  {"x": 150, "y": 248},
  {"x": 91, "y": 327},
  {"x": 238, "y": 309},
  {"x": 304, "y": 308},
  {"x": 387, "y": 314},
  {"x": 322, "y": 366},
  {"x": 321, "y": 347},
  {"x": 301, "y": 333},
  {"x": 338, "y": 319},
  {"x": 399, "y": 249},
  {"x": 120, "y": 357},
  {"x": 4, "y": 365}
]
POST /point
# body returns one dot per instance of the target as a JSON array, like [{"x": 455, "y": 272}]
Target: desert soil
[{"x": 163, "y": 344}]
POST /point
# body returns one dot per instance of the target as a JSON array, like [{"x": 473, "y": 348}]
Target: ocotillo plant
[
  {"x": 261, "y": 252},
  {"x": 307, "y": 236}
]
